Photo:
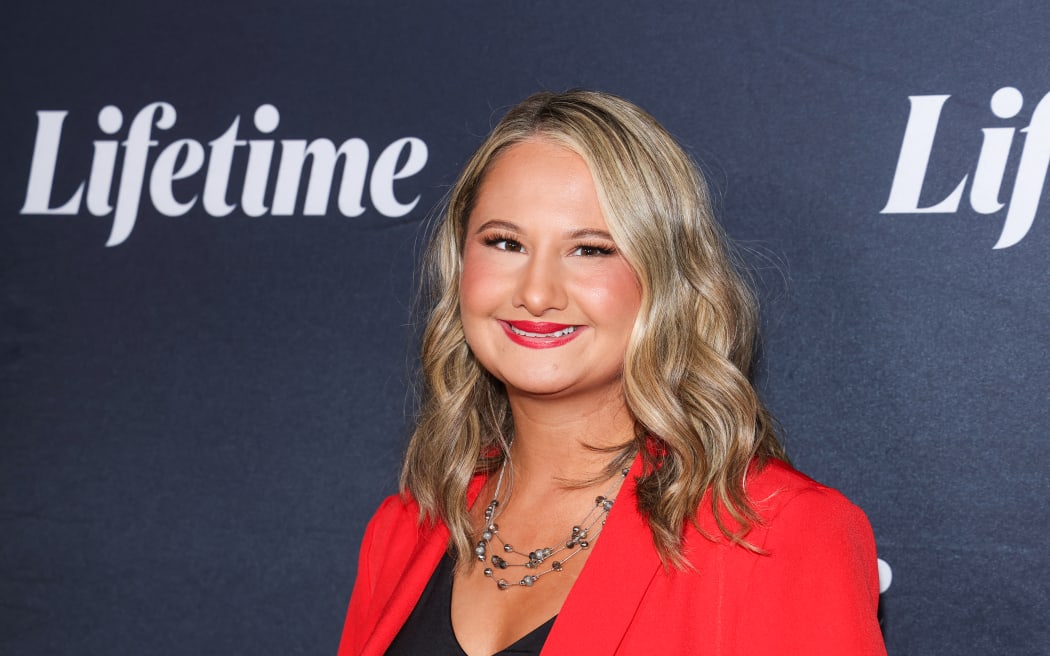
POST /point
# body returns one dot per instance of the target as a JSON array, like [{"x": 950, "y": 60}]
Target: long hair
[{"x": 686, "y": 378}]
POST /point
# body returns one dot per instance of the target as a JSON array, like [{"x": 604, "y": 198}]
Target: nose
[{"x": 541, "y": 286}]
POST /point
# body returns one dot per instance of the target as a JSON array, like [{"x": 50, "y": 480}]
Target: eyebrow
[
  {"x": 498, "y": 225},
  {"x": 591, "y": 233},
  {"x": 582, "y": 233}
]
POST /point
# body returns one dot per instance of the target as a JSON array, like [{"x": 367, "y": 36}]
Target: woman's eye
[
  {"x": 592, "y": 251},
  {"x": 504, "y": 244}
]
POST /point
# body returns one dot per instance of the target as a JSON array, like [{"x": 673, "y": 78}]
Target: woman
[{"x": 592, "y": 471}]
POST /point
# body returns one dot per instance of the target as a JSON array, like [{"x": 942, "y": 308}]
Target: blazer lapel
[
  {"x": 425, "y": 553},
  {"x": 422, "y": 562},
  {"x": 599, "y": 608}
]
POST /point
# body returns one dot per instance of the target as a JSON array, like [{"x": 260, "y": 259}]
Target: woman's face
[{"x": 547, "y": 301}]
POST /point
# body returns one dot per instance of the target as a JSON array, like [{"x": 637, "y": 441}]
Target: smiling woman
[
  {"x": 591, "y": 470},
  {"x": 540, "y": 271}
]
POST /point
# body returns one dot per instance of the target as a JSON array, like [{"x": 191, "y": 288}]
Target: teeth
[{"x": 558, "y": 333}]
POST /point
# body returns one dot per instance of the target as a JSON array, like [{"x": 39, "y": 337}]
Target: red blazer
[{"x": 814, "y": 592}]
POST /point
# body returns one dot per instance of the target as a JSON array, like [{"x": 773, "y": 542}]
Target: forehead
[
  {"x": 532, "y": 154},
  {"x": 537, "y": 178}
]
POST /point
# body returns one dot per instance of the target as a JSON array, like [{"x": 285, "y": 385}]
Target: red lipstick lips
[{"x": 540, "y": 334}]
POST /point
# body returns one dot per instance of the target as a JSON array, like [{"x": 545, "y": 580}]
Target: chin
[
  {"x": 562, "y": 389},
  {"x": 538, "y": 388}
]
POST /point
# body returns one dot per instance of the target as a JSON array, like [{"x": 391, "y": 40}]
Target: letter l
[
  {"x": 914, "y": 159},
  {"x": 42, "y": 169}
]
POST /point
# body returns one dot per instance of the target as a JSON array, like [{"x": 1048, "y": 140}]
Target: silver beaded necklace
[{"x": 583, "y": 533}]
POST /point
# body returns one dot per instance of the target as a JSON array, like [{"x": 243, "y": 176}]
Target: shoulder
[
  {"x": 396, "y": 509},
  {"x": 817, "y": 560},
  {"x": 810, "y": 535},
  {"x": 779, "y": 493},
  {"x": 395, "y": 514},
  {"x": 392, "y": 534},
  {"x": 400, "y": 514}
]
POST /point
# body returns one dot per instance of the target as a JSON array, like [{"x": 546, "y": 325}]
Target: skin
[{"x": 538, "y": 249}]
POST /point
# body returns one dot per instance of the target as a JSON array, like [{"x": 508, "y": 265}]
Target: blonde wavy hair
[{"x": 686, "y": 379}]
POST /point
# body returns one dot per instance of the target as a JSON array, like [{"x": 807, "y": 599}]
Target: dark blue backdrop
[{"x": 197, "y": 422}]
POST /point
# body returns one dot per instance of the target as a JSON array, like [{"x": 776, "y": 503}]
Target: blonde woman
[{"x": 591, "y": 471}]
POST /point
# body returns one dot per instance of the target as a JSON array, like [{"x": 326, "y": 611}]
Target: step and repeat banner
[{"x": 210, "y": 220}]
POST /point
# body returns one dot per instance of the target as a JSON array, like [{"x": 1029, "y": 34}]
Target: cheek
[
  {"x": 616, "y": 296},
  {"x": 477, "y": 284}
]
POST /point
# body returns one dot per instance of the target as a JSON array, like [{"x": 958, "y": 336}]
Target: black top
[{"x": 429, "y": 627}]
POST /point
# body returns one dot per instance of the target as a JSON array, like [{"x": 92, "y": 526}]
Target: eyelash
[
  {"x": 598, "y": 251},
  {"x": 494, "y": 239},
  {"x": 595, "y": 250}
]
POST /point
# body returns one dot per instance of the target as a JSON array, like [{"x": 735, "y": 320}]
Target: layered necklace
[{"x": 543, "y": 560}]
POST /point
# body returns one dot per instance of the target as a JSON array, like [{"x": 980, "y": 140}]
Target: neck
[{"x": 556, "y": 441}]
